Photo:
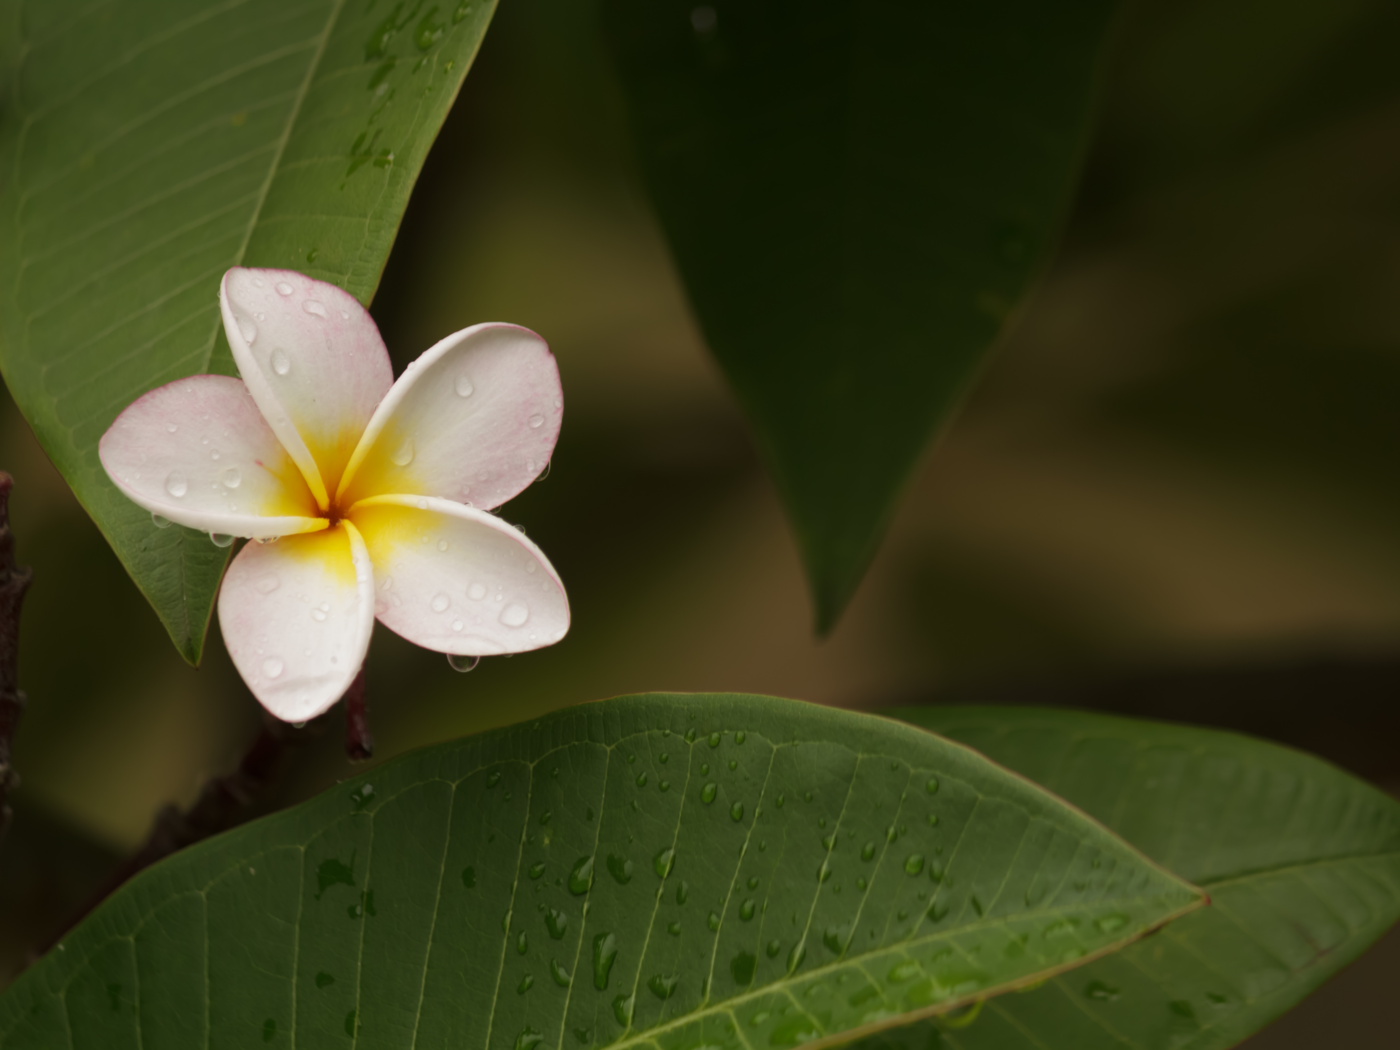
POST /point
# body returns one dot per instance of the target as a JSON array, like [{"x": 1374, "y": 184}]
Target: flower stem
[
  {"x": 359, "y": 743},
  {"x": 14, "y": 581}
]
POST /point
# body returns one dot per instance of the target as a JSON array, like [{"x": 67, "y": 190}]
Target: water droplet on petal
[
  {"x": 531, "y": 565},
  {"x": 248, "y": 330},
  {"x": 404, "y": 455},
  {"x": 232, "y": 478},
  {"x": 220, "y": 540},
  {"x": 463, "y": 386},
  {"x": 314, "y": 306},
  {"x": 284, "y": 288},
  {"x": 462, "y": 663},
  {"x": 442, "y": 545},
  {"x": 319, "y": 615},
  {"x": 159, "y": 522},
  {"x": 272, "y": 667},
  {"x": 536, "y": 421},
  {"x": 457, "y": 625},
  {"x": 440, "y": 602},
  {"x": 280, "y": 364},
  {"x": 514, "y": 615},
  {"x": 175, "y": 484},
  {"x": 267, "y": 584},
  {"x": 476, "y": 592},
  {"x": 170, "y": 428}
]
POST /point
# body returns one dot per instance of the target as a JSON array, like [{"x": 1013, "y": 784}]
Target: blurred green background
[{"x": 1173, "y": 493}]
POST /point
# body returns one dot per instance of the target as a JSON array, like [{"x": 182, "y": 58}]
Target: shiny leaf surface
[
  {"x": 145, "y": 148},
  {"x": 658, "y": 871}
]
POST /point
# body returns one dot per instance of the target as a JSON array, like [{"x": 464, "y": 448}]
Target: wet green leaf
[
  {"x": 1301, "y": 861},
  {"x": 407, "y": 900},
  {"x": 857, "y": 198},
  {"x": 147, "y": 147}
]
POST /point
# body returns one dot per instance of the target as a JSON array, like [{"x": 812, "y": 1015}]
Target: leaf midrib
[
  {"x": 1281, "y": 869},
  {"x": 276, "y": 162}
]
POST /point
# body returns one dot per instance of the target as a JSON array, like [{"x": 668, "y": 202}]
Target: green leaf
[
  {"x": 145, "y": 148},
  {"x": 1301, "y": 861},
  {"x": 858, "y": 198},
  {"x": 662, "y": 871}
]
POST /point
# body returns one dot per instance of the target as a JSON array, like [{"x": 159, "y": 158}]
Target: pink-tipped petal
[
  {"x": 473, "y": 420},
  {"x": 198, "y": 452},
  {"x": 459, "y": 580},
  {"x": 297, "y": 617},
  {"x": 313, "y": 361}
]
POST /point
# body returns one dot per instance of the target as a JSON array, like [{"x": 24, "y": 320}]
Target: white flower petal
[
  {"x": 198, "y": 452},
  {"x": 459, "y": 580},
  {"x": 313, "y": 361},
  {"x": 297, "y": 617},
  {"x": 473, "y": 420}
]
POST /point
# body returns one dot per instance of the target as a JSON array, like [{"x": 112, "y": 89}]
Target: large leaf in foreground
[
  {"x": 1302, "y": 863},
  {"x": 662, "y": 871},
  {"x": 857, "y": 197},
  {"x": 146, "y": 147}
]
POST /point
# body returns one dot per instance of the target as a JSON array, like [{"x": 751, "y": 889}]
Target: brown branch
[
  {"x": 14, "y": 581},
  {"x": 224, "y": 803}
]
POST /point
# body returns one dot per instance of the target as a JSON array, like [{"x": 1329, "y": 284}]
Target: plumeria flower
[{"x": 375, "y": 491}]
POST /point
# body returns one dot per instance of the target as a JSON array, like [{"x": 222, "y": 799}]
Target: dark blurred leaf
[
  {"x": 648, "y": 871},
  {"x": 857, "y": 198},
  {"x": 1301, "y": 861},
  {"x": 146, "y": 147}
]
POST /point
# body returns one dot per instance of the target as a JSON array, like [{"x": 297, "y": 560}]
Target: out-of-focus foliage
[
  {"x": 147, "y": 147},
  {"x": 857, "y": 200}
]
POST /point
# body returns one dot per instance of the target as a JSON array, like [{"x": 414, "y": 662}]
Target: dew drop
[
  {"x": 736, "y": 811},
  {"x": 536, "y": 421},
  {"x": 175, "y": 484},
  {"x": 440, "y": 602},
  {"x": 708, "y": 792},
  {"x": 714, "y": 739},
  {"x": 581, "y": 876},
  {"x": 220, "y": 540},
  {"x": 272, "y": 667},
  {"x": 604, "y": 955},
  {"x": 248, "y": 330},
  {"x": 914, "y": 863},
  {"x": 403, "y": 456},
  {"x": 457, "y": 625},
  {"x": 932, "y": 785},
  {"x": 159, "y": 522},
  {"x": 442, "y": 545},
  {"x": 526, "y": 983},
  {"x": 514, "y": 615},
  {"x": 462, "y": 663},
  {"x": 746, "y": 910},
  {"x": 476, "y": 592},
  {"x": 280, "y": 364},
  {"x": 463, "y": 386},
  {"x": 267, "y": 584},
  {"x": 557, "y": 922},
  {"x": 561, "y": 976},
  {"x": 712, "y": 921},
  {"x": 664, "y": 861},
  {"x": 314, "y": 307},
  {"x": 284, "y": 288},
  {"x": 232, "y": 478}
]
